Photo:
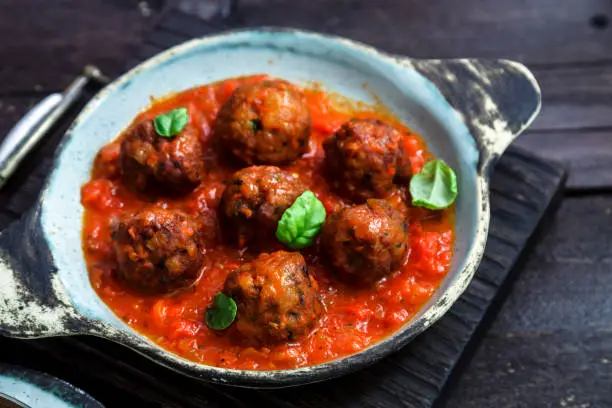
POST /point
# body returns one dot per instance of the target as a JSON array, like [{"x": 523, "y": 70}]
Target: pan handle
[
  {"x": 33, "y": 302},
  {"x": 496, "y": 99}
]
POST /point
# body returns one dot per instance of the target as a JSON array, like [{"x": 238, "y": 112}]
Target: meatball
[
  {"x": 366, "y": 242},
  {"x": 277, "y": 298},
  {"x": 366, "y": 157},
  {"x": 256, "y": 197},
  {"x": 265, "y": 122},
  {"x": 158, "y": 250},
  {"x": 152, "y": 162}
]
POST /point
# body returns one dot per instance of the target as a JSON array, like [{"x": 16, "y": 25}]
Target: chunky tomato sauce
[{"x": 354, "y": 318}]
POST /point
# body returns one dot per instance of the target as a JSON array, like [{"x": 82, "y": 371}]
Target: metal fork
[{"x": 33, "y": 126}]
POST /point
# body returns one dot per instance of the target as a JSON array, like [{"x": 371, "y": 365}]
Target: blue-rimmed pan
[{"x": 468, "y": 111}]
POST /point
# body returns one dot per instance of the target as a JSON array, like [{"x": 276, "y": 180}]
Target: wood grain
[
  {"x": 566, "y": 282},
  {"x": 587, "y": 154},
  {"x": 45, "y": 44},
  {"x": 560, "y": 369},
  {"x": 575, "y": 96},
  {"x": 551, "y": 344},
  {"x": 534, "y": 31}
]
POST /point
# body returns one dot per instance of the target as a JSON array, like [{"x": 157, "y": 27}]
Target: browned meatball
[
  {"x": 256, "y": 197},
  {"x": 365, "y": 157},
  {"x": 277, "y": 298},
  {"x": 158, "y": 250},
  {"x": 153, "y": 162},
  {"x": 366, "y": 242},
  {"x": 265, "y": 122}
]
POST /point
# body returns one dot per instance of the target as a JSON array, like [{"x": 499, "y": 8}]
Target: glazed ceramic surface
[
  {"x": 34, "y": 389},
  {"x": 468, "y": 111}
]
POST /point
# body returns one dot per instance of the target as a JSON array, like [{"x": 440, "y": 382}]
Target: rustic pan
[{"x": 468, "y": 111}]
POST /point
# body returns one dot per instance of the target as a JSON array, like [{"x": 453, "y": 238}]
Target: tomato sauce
[{"x": 354, "y": 318}]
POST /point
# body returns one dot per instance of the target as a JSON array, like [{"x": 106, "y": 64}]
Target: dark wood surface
[{"x": 551, "y": 345}]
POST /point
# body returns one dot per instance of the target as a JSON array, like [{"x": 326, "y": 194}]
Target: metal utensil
[
  {"x": 31, "y": 129},
  {"x": 10, "y": 402}
]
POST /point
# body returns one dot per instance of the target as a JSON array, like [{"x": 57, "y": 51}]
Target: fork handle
[
  {"x": 31, "y": 129},
  {"x": 14, "y": 141}
]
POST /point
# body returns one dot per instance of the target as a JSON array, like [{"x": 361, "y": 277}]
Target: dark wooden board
[
  {"x": 575, "y": 96},
  {"x": 547, "y": 292},
  {"x": 76, "y": 32},
  {"x": 551, "y": 344},
  {"x": 536, "y": 32},
  {"x": 45, "y": 45},
  {"x": 586, "y": 153}
]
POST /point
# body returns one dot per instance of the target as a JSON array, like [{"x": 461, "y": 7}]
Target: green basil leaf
[
  {"x": 435, "y": 187},
  {"x": 222, "y": 313},
  {"x": 302, "y": 222},
  {"x": 171, "y": 123}
]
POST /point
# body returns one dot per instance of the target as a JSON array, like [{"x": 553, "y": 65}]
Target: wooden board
[
  {"x": 588, "y": 153},
  {"x": 539, "y": 32},
  {"x": 551, "y": 344},
  {"x": 74, "y": 33}
]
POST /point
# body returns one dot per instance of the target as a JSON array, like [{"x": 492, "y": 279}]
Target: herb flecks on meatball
[
  {"x": 153, "y": 163},
  {"x": 265, "y": 122},
  {"x": 365, "y": 157},
  {"x": 158, "y": 251},
  {"x": 276, "y": 297},
  {"x": 256, "y": 198},
  {"x": 366, "y": 242}
]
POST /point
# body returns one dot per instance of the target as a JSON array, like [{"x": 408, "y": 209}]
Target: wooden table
[{"x": 551, "y": 344}]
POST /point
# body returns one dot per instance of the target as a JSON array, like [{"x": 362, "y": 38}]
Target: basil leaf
[
  {"x": 302, "y": 222},
  {"x": 435, "y": 187},
  {"x": 222, "y": 313},
  {"x": 171, "y": 123}
]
